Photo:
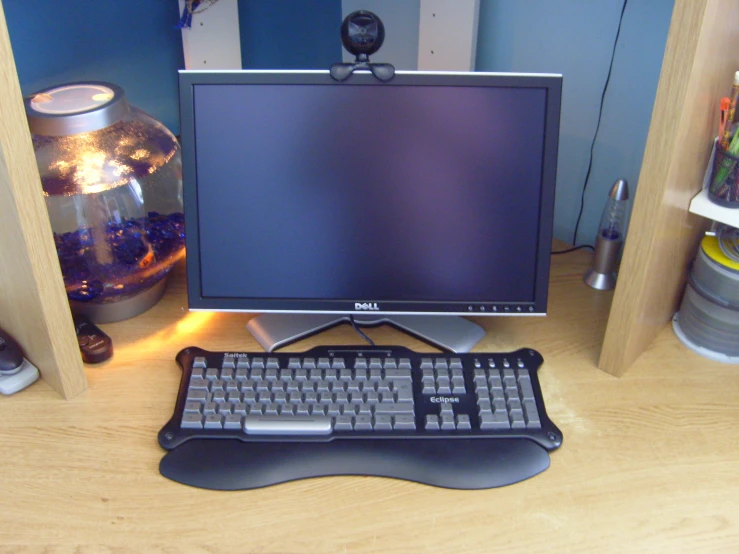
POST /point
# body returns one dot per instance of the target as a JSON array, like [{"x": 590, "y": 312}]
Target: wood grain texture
[
  {"x": 33, "y": 302},
  {"x": 701, "y": 56},
  {"x": 649, "y": 461}
]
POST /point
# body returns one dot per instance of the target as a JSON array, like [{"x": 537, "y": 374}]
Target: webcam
[{"x": 362, "y": 34}]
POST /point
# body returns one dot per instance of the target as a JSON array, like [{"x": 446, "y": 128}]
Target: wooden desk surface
[{"x": 650, "y": 461}]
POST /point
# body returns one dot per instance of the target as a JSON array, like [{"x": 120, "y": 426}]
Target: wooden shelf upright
[
  {"x": 701, "y": 56},
  {"x": 33, "y": 302}
]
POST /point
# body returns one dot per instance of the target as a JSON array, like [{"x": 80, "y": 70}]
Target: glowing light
[
  {"x": 192, "y": 322},
  {"x": 102, "y": 97}
]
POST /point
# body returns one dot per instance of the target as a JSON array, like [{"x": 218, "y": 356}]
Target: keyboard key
[
  {"x": 499, "y": 420},
  {"x": 219, "y": 396},
  {"x": 287, "y": 425},
  {"x": 398, "y": 408},
  {"x": 199, "y": 362},
  {"x": 213, "y": 421},
  {"x": 242, "y": 363},
  {"x": 526, "y": 390},
  {"x": 192, "y": 421},
  {"x": 293, "y": 363},
  {"x": 463, "y": 422},
  {"x": 447, "y": 422},
  {"x": 432, "y": 422},
  {"x": 344, "y": 423},
  {"x": 257, "y": 363},
  {"x": 197, "y": 395},
  {"x": 192, "y": 407},
  {"x": 383, "y": 423},
  {"x": 531, "y": 414},
  {"x": 228, "y": 363},
  {"x": 199, "y": 384},
  {"x": 338, "y": 363},
  {"x": 362, "y": 423},
  {"x": 398, "y": 374},
  {"x": 405, "y": 392},
  {"x": 212, "y": 373},
  {"x": 404, "y": 422},
  {"x": 232, "y": 421}
]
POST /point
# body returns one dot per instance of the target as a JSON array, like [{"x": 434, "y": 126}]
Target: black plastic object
[
  {"x": 11, "y": 354},
  {"x": 474, "y": 459},
  {"x": 362, "y": 34},
  {"x": 95, "y": 345},
  {"x": 454, "y": 464}
]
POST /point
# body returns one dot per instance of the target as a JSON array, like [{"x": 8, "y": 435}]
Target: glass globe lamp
[{"x": 111, "y": 176}]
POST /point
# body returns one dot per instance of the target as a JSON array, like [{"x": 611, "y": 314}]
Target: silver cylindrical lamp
[{"x": 602, "y": 275}]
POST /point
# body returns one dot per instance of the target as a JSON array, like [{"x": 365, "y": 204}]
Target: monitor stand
[{"x": 450, "y": 333}]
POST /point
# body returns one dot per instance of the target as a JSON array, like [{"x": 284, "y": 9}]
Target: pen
[
  {"x": 723, "y": 115},
  {"x": 732, "y": 109}
]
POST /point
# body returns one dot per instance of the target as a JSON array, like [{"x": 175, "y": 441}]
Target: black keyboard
[{"x": 244, "y": 420}]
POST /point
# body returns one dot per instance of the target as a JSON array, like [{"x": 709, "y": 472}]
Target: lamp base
[
  {"x": 123, "y": 309},
  {"x": 600, "y": 281}
]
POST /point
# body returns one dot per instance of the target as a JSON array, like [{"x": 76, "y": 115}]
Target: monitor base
[{"x": 450, "y": 333}]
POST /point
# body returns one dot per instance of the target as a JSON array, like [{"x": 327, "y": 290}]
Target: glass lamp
[
  {"x": 111, "y": 176},
  {"x": 602, "y": 275}
]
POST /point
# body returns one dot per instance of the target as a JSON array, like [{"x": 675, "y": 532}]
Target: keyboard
[{"x": 245, "y": 420}]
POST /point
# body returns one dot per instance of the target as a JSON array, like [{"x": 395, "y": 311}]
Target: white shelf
[{"x": 702, "y": 206}]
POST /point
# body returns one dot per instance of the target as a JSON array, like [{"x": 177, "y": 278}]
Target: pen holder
[{"x": 723, "y": 188}]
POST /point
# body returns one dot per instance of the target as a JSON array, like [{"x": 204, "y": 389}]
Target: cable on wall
[{"x": 597, "y": 127}]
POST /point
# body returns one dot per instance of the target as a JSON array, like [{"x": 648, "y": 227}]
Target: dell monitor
[{"x": 411, "y": 202}]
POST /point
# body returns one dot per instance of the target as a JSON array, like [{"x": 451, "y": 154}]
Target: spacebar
[{"x": 287, "y": 425}]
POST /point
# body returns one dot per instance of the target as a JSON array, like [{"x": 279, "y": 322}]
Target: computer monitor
[{"x": 411, "y": 202}]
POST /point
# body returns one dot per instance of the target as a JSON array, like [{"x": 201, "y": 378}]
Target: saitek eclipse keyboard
[{"x": 245, "y": 419}]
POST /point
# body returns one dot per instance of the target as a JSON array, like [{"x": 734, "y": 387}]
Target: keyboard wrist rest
[{"x": 453, "y": 463}]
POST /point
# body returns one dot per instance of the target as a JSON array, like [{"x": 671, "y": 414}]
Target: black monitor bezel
[{"x": 189, "y": 79}]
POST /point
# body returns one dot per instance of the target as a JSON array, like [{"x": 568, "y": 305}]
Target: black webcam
[{"x": 362, "y": 34}]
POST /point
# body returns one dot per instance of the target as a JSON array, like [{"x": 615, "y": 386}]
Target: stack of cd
[{"x": 708, "y": 320}]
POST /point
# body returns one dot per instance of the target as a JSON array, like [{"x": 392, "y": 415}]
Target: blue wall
[
  {"x": 131, "y": 43},
  {"x": 290, "y": 34},
  {"x": 575, "y": 38},
  {"x": 135, "y": 44}
]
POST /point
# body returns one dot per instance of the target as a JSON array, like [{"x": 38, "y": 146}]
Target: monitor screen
[{"x": 433, "y": 193}]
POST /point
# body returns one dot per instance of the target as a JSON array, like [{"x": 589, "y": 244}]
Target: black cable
[
  {"x": 573, "y": 249},
  {"x": 597, "y": 127},
  {"x": 358, "y": 330}
]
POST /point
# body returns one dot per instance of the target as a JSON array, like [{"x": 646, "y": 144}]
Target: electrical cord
[
  {"x": 358, "y": 330},
  {"x": 567, "y": 251},
  {"x": 597, "y": 127}
]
